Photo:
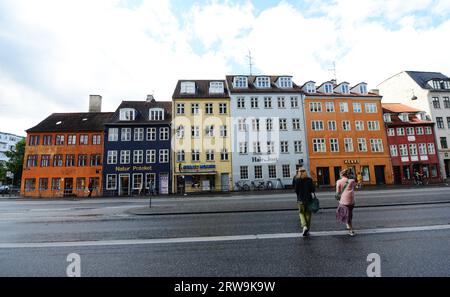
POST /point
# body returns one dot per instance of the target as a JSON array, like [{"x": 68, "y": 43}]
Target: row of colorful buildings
[{"x": 244, "y": 132}]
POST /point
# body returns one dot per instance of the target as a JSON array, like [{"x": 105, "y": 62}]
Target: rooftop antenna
[
  {"x": 250, "y": 61},
  {"x": 334, "y": 71}
]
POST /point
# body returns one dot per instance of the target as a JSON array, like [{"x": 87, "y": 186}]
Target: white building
[
  {"x": 269, "y": 141},
  {"x": 7, "y": 143},
  {"x": 427, "y": 91}
]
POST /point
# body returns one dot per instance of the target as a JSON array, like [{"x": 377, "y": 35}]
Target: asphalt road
[{"x": 411, "y": 240}]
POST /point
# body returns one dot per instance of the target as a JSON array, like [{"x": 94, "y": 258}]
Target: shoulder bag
[{"x": 339, "y": 194}]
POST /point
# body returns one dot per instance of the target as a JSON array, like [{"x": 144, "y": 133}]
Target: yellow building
[{"x": 201, "y": 139}]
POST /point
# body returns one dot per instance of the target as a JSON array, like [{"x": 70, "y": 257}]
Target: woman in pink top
[{"x": 344, "y": 213}]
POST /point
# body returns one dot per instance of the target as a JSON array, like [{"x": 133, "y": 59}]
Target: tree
[{"x": 15, "y": 163}]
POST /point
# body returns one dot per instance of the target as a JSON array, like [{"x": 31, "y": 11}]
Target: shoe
[
  {"x": 305, "y": 231},
  {"x": 351, "y": 233}
]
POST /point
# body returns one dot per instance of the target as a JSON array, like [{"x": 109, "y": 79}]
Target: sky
[{"x": 55, "y": 53}]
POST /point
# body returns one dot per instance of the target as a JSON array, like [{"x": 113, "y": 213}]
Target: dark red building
[{"x": 412, "y": 143}]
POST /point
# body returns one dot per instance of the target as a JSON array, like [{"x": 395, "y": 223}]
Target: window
[
  {"x": 111, "y": 181},
  {"x": 242, "y": 126},
  {"x": 344, "y": 89},
  {"x": 209, "y": 131},
  {"x": 359, "y": 125},
  {"x": 269, "y": 124},
  {"x": 391, "y": 132},
  {"x": 387, "y": 117},
  {"x": 444, "y": 143},
  {"x": 125, "y": 134},
  {"x": 422, "y": 149},
  {"x": 70, "y": 160},
  {"x": 286, "y": 168},
  {"x": 209, "y": 108},
  {"x": 281, "y": 102},
  {"x": 315, "y": 107},
  {"x": 436, "y": 85},
  {"x": 43, "y": 184},
  {"x": 32, "y": 161},
  {"x": 240, "y": 82},
  {"x": 125, "y": 157},
  {"x": 413, "y": 149},
  {"x": 348, "y": 144},
  {"x": 156, "y": 114},
  {"x": 56, "y": 184},
  {"x": 434, "y": 171},
  {"x": 224, "y": 155},
  {"x": 440, "y": 122},
  {"x": 209, "y": 155},
  {"x": 223, "y": 108},
  {"x": 255, "y": 124},
  {"x": 180, "y": 132},
  {"x": 150, "y": 181},
  {"x": 137, "y": 181},
  {"x": 284, "y": 147},
  {"x": 394, "y": 151},
  {"x": 127, "y": 114},
  {"x": 431, "y": 149},
  {"x": 57, "y": 160},
  {"x": 84, "y": 139},
  {"x": 283, "y": 124},
  {"x": 371, "y": 108},
  {"x": 362, "y": 145},
  {"x": 428, "y": 130},
  {"x": 334, "y": 145},
  {"x": 294, "y": 102},
  {"x": 195, "y": 108},
  {"x": 45, "y": 160},
  {"x": 138, "y": 134},
  {"x": 258, "y": 172},
  {"x": 357, "y": 107},
  {"x": 181, "y": 157},
  {"x": 256, "y": 147},
  {"x": 82, "y": 160},
  {"x": 112, "y": 157},
  {"x": 400, "y": 131},
  {"x": 270, "y": 147},
  {"x": 195, "y": 155},
  {"x": 310, "y": 88},
  {"x": 376, "y": 145},
  {"x": 34, "y": 140},
  {"x": 446, "y": 101},
  {"x": 436, "y": 102},
  {"x": 96, "y": 160},
  {"x": 285, "y": 82},
  {"x": 30, "y": 184},
  {"x": 346, "y": 125},
  {"x": 71, "y": 139},
  {"x": 272, "y": 171},
  {"x": 317, "y": 125},
  {"x": 374, "y": 126},
  {"x": 296, "y": 124},
  {"x": 180, "y": 108},
  {"x": 328, "y": 88},
  {"x": 216, "y": 87},
  {"x": 448, "y": 122},
  {"x": 164, "y": 133},
  {"x": 151, "y": 134},
  {"x": 404, "y": 117},
  {"x": 164, "y": 156},
  {"x": 113, "y": 134},
  {"x": 297, "y": 146},
  {"x": 267, "y": 102},
  {"x": 403, "y": 150},
  {"x": 254, "y": 102},
  {"x": 332, "y": 125},
  {"x": 240, "y": 102},
  {"x": 138, "y": 157},
  {"x": 47, "y": 140},
  {"x": 244, "y": 172},
  {"x": 410, "y": 131},
  {"x": 419, "y": 130},
  {"x": 223, "y": 131},
  {"x": 243, "y": 148},
  {"x": 262, "y": 82},
  {"x": 150, "y": 156},
  {"x": 363, "y": 89},
  {"x": 59, "y": 140},
  {"x": 96, "y": 139},
  {"x": 329, "y": 106},
  {"x": 343, "y": 106},
  {"x": 319, "y": 145},
  {"x": 81, "y": 183}
]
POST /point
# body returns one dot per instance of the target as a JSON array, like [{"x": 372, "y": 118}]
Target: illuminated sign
[{"x": 198, "y": 167}]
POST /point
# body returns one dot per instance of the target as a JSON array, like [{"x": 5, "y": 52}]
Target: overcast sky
[{"x": 54, "y": 53}]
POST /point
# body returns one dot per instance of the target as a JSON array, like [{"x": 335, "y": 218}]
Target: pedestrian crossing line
[{"x": 217, "y": 238}]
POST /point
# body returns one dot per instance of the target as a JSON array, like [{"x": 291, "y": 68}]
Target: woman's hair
[
  {"x": 302, "y": 173},
  {"x": 345, "y": 172}
]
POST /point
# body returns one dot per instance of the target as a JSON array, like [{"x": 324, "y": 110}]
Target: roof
[
  {"x": 398, "y": 108},
  {"x": 253, "y": 89},
  {"x": 142, "y": 111},
  {"x": 422, "y": 78},
  {"x": 73, "y": 122},
  {"x": 201, "y": 90}
]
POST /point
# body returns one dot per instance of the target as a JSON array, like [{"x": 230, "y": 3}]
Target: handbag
[
  {"x": 314, "y": 204},
  {"x": 339, "y": 194}
]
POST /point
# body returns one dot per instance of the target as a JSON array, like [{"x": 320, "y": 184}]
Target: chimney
[
  {"x": 150, "y": 98},
  {"x": 334, "y": 82},
  {"x": 375, "y": 91},
  {"x": 95, "y": 103}
]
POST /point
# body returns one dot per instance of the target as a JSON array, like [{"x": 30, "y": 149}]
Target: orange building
[
  {"x": 63, "y": 156},
  {"x": 345, "y": 129}
]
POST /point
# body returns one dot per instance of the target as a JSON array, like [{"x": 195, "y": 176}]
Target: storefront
[{"x": 198, "y": 178}]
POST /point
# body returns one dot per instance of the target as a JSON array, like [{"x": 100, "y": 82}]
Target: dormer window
[
  {"x": 310, "y": 88},
  {"x": 344, "y": 89},
  {"x": 404, "y": 117},
  {"x": 387, "y": 117},
  {"x": 446, "y": 85},
  {"x": 422, "y": 116},
  {"x": 240, "y": 82},
  {"x": 262, "y": 82},
  {"x": 436, "y": 85},
  {"x": 187, "y": 87},
  {"x": 328, "y": 88},
  {"x": 156, "y": 114},
  {"x": 285, "y": 82},
  {"x": 216, "y": 87},
  {"x": 127, "y": 114},
  {"x": 363, "y": 89}
]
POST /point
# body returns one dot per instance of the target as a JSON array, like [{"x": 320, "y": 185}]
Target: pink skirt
[{"x": 344, "y": 213}]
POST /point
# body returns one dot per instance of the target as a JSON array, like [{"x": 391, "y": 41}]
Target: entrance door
[
  {"x": 379, "y": 175},
  {"x": 323, "y": 176},
  {"x": 397, "y": 175},
  {"x": 164, "y": 183},
  {"x": 124, "y": 185},
  {"x": 225, "y": 182},
  {"x": 337, "y": 171},
  {"x": 447, "y": 167},
  {"x": 68, "y": 186}
]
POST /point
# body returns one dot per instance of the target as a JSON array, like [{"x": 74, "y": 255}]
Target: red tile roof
[{"x": 398, "y": 108}]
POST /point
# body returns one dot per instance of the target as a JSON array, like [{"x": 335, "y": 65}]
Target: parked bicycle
[
  {"x": 269, "y": 185},
  {"x": 242, "y": 186},
  {"x": 258, "y": 186}
]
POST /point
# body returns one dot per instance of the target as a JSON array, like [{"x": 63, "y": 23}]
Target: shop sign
[
  {"x": 264, "y": 159},
  {"x": 134, "y": 168},
  {"x": 351, "y": 162},
  {"x": 198, "y": 167}
]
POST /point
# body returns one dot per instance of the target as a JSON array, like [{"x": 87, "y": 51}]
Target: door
[
  {"x": 225, "y": 182},
  {"x": 124, "y": 185},
  {"x": 323, "y": 176},
  {"x": 447, "y": 167},
  {"x": 397, "y": 175},
  {"x": 337, "y": 172},
  {"x": 68, "y": 186},
  {"x": 379, "y": 175},
  {"x": 164, "y": 183}
]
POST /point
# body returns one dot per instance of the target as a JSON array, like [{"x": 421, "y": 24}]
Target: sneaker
[
  {"x": 305, "y": 231},
  {"x": 351, "y": 233}
]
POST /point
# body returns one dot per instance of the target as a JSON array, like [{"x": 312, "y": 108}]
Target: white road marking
[{"x": 217, "y": 238}]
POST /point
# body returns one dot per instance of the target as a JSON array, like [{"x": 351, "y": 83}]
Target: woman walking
[
  {"x": 304, "y": 188},
  {"x": 345, "y": 186}
]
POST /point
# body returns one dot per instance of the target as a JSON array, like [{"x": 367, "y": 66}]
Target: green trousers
[{"x": 305, "y": 215}]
